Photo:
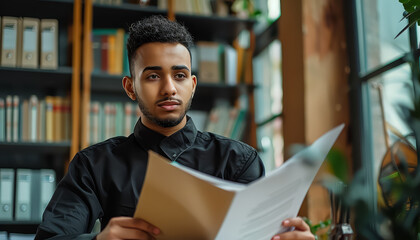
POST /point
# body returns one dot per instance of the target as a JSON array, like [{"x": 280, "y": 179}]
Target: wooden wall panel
[{"x": 316, "y": 91}]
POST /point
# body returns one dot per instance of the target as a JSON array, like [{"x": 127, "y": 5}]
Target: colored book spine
[
  {"x": 15, "y": 126},
  {"x": 2, "y": 120}
]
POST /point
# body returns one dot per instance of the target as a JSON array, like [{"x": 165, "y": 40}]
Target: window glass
[
  {"x": 379, "y": 23},
  {"x": 268, "y": 103},
  {"x": 391, "y": 99}
]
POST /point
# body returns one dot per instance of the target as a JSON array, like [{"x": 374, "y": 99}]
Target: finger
[
  {"x": 128, "y": 222},
  {"x": 297, "y": 222},
  {"x": 294, "y": 235}
]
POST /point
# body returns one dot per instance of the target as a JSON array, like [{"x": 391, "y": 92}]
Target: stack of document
[{"x": 187, "y": 204}]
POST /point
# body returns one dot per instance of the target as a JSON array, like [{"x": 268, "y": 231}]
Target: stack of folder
[
  {"x": 25, "y": 198},
  {"x": 29, "y": 42}
]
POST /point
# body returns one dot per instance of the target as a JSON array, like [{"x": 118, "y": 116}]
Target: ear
[
  {"x": 194, "y": 82},
  {"x": 128, "y": 86}
]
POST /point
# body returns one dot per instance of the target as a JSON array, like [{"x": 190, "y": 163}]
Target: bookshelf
[
  {"x": 74, "y": 77},
  {"x": 25, "y": 82},
  {"x": 102, "y": 85}
]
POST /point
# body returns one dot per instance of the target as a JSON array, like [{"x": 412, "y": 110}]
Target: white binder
[
  {"x": 47, "y": 178},
  {"x": 49, "y": 43},
  {"x": 23, "y": 195},
  {"x": 10, "y": 41},
  {"x": 7, "y": 180},
  {"x": 30, "y": 36}
]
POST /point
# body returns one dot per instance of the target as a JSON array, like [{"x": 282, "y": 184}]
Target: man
[{"x": 104, "y": 181}]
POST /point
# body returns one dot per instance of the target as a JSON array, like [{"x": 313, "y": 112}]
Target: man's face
[{"x": 163, "y": 84}]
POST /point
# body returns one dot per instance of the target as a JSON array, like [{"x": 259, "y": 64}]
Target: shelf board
[
  {"x": 58, "y": 9},
  {"x": 36, "y": 147},
  {"x": 28, "y": 77},
  {"x": 19, "y": 227},
  {"x": 128, "y": 13}
]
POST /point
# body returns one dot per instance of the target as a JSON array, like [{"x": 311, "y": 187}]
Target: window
[{"x": 381, "y": 82}]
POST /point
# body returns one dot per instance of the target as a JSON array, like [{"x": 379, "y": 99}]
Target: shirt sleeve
[
  {"x": 74, "y": 206},
  {"x": 252, "y": 169}
]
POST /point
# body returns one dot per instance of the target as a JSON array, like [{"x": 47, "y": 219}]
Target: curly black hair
[{"x": 156, "y": 29}]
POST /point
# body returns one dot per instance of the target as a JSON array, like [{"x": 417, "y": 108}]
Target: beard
[{"x": 165, "y": 123}]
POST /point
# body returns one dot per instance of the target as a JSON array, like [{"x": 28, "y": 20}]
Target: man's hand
[
  {"x": 128, "y": 228},
  {"x": 301, "y": 232}
]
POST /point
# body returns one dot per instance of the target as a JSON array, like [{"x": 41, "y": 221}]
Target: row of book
[
  {"x": 223, "y": 119},
  {"x": 226, "y": 120},
  {"x": 198, "y": 7},
  {"x": 25, "y": 193},
  {"x": 109, "y": 51},
  {"x": 215, "y": 62},
  {"x": 29, "y": 42},
  {"x": 109, "y": 119},
  {"x": 35, "y": 119}
]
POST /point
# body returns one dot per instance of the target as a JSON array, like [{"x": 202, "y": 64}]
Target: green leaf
[{"x": 338, "y": 164}]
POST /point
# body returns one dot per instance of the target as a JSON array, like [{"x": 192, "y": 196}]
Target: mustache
[{"x": 169, "y": 99}]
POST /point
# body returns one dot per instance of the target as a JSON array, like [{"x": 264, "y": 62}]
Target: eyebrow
[
  {"x": 152, "y": 68},
  {"x": 155, "y": 68},
  {"x": 180, "y": 67}
]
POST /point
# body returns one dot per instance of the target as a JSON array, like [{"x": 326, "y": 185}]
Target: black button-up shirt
[{"x": 105, "y": 180}]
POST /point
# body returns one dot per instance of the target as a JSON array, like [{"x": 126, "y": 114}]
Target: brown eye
[
  {"x": 152, "y": 77},
  {"x": 180, "y": 76}
]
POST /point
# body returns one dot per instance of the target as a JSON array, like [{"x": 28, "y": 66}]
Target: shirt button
[{"x": 174, "y": 155}]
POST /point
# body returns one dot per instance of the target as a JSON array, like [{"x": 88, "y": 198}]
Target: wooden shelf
[
  {"x": 35, "y": 78},
  {"x": 35, "y": 147},
  {"x": 57, "y": 9},
  {"x": 19, "y": 227},
  {"x": 129, "y": 13}
]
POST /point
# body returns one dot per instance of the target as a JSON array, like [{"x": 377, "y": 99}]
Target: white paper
[{"x": 257, "y": 211}]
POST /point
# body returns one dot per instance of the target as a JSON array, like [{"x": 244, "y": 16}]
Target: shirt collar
[{"x": 171, "y": 146}]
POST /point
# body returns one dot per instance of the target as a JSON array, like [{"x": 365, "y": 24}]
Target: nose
[{"x": 168, "y": 87}]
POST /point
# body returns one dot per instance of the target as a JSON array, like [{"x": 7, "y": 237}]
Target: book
[
  {"x": 187, "y": 204},
  {"x": 108, "y": 50},
  {"x": 41, "y": 121},
  {"x": 2, "y": 120},
  {"x": 16, "y": 117},
  {"x": 24, "y": 126},
  {"x": 49, "y": 118},
  {"x": 33, "y": 118},
  {"x": 209, "y": 62},
  {"x": 9, "y": 123}
]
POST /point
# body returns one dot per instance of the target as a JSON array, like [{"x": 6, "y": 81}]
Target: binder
[
  {"x": 10, "y": 41},
  {"x": 7, "y": 180},
  {"x": 23, "y": 195},
  {"x": 49, "y": 43},
  {"x": 30, "y": 33},
  {"x": 3, "y": 235},
  {"x": 47, "y": 183},
  {"x": 21, "y": 236}
]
